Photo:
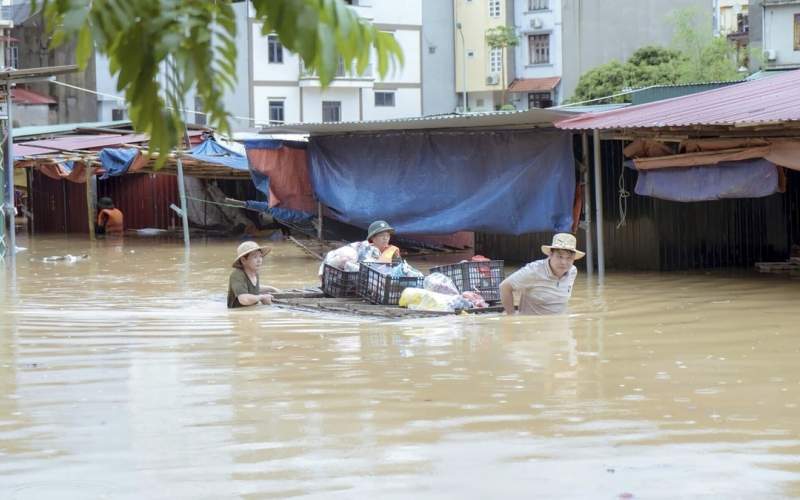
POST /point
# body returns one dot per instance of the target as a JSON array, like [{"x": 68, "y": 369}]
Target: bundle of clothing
[
  {"x": 439, "y": 293},
  {"x": 348, "y": 257}
]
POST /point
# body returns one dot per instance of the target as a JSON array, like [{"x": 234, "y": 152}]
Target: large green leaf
[{"x": 161, "y": 49}]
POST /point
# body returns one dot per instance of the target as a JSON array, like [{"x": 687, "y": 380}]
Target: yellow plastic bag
[{"x": 419, "y": 299}]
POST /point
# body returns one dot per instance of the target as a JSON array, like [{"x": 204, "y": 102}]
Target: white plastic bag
[{"x": 438, "y": 282}]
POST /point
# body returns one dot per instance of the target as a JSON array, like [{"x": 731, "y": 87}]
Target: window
[
  {"x": 199, "y": 116},
  {"x": 496, "y": 60},
  {"x": 118, "y": 114},
  {"x": 276, "y": 108},
  {"x": 539, "y": 49},
  {"x": 331, "y": 111},
  {"x": 494, "y": 8},
  {"x": 13, "y": 56},
  {"x": 538, "y": 4},
  {"x": 540, "y": 100},
  {"x": 384, "y": 99},
  {"x": 797, "y": 32},
  {"x": 275, "y": 49}
]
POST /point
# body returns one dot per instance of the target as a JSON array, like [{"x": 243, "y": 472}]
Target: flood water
[{"x": 125, "y": 376}]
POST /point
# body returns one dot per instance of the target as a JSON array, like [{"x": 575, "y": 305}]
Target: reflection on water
[{"x": 125, "y": 376}]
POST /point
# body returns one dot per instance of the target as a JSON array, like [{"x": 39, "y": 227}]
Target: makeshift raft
[{"x": 313, "y": 300}]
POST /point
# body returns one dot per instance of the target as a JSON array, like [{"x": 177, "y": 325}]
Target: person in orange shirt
[
  {"x": 109, "y": 219},
  {"x": 379, "y": 234}
]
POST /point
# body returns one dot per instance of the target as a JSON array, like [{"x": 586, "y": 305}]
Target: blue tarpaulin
[
  {"x": 510, "y": 182},
  {"x": 117, "y": 161},
  {"x": 739, "y": 179},
  {"x": 282, "y": 214},
  {"x": 213, "y": 152}
]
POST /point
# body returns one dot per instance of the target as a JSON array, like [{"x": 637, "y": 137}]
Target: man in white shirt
[{"x": 545, "y": 286}]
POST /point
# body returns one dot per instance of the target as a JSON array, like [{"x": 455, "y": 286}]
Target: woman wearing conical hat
[{"x": 244, "y": 286}]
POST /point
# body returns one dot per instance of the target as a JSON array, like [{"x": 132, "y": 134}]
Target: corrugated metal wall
[
  {"x": 663, "y": 235},
  {"x": 60, "y": 206},
  {"x": 143, "y": 198}
]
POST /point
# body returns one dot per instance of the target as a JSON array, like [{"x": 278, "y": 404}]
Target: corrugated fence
[{"x": 663, "y": 235}]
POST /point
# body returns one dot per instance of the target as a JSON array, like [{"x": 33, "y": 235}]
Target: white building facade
[
  {"x": 538, "y": 56},
  {"x": 283, "y": 91},
  {"x": 781, "y": 34}
]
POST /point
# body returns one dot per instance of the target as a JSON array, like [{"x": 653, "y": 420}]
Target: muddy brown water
[{"x": 125, "y": 376}]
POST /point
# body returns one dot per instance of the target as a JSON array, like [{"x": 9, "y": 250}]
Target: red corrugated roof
[
  {"x": 95, "y": 141},
  {"x": 774, "y": 99},
  {"x": 25, "y": 96},
  {"x": 87, "y": 142},
  {"x": 534, "y": 84}
]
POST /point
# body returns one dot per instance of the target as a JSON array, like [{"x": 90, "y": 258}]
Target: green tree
[
  {"x": 190, "y": 44},
  {"x": 502, "y": 37},
  {"x": 696, "y": 56},
  {"x": 708, "y": 57}
]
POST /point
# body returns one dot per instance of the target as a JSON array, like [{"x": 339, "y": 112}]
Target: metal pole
[
  {"x": 182, "y": 194},
  {"x": 598, "y": 201},
  {"x": 12, "y": 229},
  {"x": 90, "y": 202},
  {"x": 463, "y": 67},
  {"x": 587, "y": 206},
  {"x": 319, "y": 218}
]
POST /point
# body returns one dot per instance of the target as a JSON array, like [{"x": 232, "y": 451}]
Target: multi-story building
[
  {"x": 778, "y": 33},
  {"x": 482, "y": 72},
  {"x": 596, "y": 33},
  {"x": 538, "y": 55},
  {"x": 438, "y": 52},
  {"x": 559, "y": 40},
  {"x": 731, "y": 20},
  {"x": 283, "y": 90}
]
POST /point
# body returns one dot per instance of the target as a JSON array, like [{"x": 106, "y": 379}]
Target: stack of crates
[
  {"x": 483, "y": 277},
  {"x": 338, "y": 283},
  {"x": 380, "y": 288}
]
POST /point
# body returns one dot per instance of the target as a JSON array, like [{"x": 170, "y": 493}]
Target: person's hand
[{"x": 265, "y": 299}]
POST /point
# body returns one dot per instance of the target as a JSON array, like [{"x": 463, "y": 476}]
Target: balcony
[{"x": 342, "y": 78}]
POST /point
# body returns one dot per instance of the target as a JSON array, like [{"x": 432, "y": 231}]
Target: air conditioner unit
[
  {"x": 492, "y": 80},
  {"x": 770, "y": 54},
  {"x": 536, "y": 23}
]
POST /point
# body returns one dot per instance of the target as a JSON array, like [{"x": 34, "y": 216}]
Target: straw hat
[
  {"x": 246, "y": 248},
  {"x": 563, "y": 241},
  {"x": 378, "y": 226}
]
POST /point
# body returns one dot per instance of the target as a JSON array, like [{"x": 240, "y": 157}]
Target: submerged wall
[{"x": 661, "y": 235}]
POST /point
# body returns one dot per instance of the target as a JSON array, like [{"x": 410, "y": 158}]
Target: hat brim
[
  {"x": 265, "y": 250},
  {"x": 578, "y": 254},
  {"x": 389, "y": 230}
]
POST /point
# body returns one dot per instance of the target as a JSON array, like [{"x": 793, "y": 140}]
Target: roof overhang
[
  {"x": 32, "y": 74},
  {"x": 533, "y": 118}
]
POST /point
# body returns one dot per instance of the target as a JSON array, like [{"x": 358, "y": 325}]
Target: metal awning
[
  {"x": 534, "y": 84},
  {"x": 499, "y": 119}
]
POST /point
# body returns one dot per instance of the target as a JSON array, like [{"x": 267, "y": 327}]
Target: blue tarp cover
[
  {"x": 282, "y": 214},
  {"x": 213, "y": 152},
  {"x": 510, "y": 182},
  {"x": 739, "y": 179},
  {"x": 117, "y": 161}
]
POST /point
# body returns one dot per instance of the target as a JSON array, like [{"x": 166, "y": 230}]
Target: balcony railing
[{"x": 341, "y": 72}]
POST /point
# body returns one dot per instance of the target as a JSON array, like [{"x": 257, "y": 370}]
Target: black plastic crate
[
  {"x": 380, "y": 288},
  {"x": 481, "y": 276},
  {"x": 338, "y": 283}
]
